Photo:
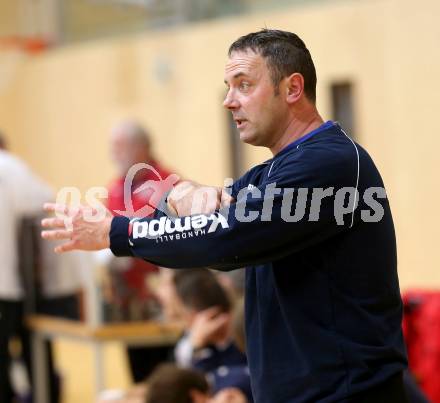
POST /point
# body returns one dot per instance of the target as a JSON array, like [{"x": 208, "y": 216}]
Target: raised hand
[
  {"x": 208, "y": 326},
  {"x": 83, "y": 228}
]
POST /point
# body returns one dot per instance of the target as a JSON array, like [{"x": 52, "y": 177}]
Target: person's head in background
[
  {"x": 170, "y": 384},
  {"x": 199, "y": 291},
  {"x": 130, "y": 144},
  {"x": 3, "y": 143}
]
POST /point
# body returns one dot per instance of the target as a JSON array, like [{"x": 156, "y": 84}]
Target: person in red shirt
[{"x": 135, "y": 192}]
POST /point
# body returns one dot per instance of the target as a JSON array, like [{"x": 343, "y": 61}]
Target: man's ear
[{"x": 294, "y": 87}]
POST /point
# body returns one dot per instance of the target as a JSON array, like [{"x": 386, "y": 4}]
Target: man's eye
[{"x": 244, "y": 85}]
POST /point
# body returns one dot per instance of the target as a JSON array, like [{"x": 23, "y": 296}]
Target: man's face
[
  {"x": 259, "y": 114},
  {"x": 126, "y": 152},
  {"x": 121, "y": 151}
]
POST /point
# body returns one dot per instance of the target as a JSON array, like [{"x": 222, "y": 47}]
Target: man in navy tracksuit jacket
[
  {"x": 312, "y": 225},
  {"x": 323, "y": 308}
]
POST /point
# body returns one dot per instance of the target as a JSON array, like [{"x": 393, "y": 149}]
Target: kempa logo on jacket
[{"x": 167, "y": 226}]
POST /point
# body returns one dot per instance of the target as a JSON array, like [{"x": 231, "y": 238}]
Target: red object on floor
[{"x": 421, "y": 327}]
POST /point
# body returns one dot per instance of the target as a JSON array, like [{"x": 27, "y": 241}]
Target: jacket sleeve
[{"x": 263, "y": 225}]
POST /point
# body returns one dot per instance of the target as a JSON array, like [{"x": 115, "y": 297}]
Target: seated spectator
[
  {"x": 208, "y": 344},
  {"x": 171, "y": 384}
]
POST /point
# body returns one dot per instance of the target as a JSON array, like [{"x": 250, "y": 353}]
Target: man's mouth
[{"x": 240, "y": 123}]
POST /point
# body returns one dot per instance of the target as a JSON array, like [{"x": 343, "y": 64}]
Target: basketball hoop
[{"x": 14, "y": 51}]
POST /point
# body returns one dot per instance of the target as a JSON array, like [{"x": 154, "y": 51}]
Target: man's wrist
[
  {"x": 197, "y": 343},
  {"x": 107, "y": 227}
]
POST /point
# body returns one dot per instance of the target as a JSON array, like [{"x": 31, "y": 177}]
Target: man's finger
[
  {"x": 211, "y": 312},
  {"x": 56, "y": 208},
  {"x": 56, "y": 234},
  {"x": 219, "y": 321},
  {"x": 211, "y": 200},
  {"x": 226, "y": 198},
  {"x": 65, "y": 247},
  {"x": 53, "y": 223}
]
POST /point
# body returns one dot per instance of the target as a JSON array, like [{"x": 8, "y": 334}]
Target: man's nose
[{"x": 230, "y": 102}]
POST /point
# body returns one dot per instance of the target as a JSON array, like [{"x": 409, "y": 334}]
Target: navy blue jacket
[{"x": 323, "y": 307}]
